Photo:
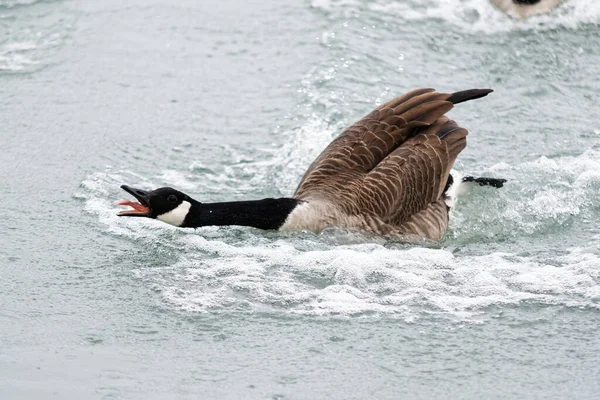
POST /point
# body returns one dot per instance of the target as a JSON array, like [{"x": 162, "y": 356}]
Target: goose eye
[{"x": 172, "y": 198}]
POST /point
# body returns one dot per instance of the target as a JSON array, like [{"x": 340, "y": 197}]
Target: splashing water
[
  {"x": 470, "y": 15},
  {"x": 342, "y": 272}
]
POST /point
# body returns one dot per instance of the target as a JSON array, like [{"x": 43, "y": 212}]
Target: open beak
[{"x": 141, "y": 209}]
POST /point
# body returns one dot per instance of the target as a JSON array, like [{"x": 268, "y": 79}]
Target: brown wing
[
  {"x": 393, "y": 162},
  {"x": 414, "y": 175}
]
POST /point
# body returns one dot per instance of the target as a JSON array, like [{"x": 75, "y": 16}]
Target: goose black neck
[{"x": 262, "y": 214}]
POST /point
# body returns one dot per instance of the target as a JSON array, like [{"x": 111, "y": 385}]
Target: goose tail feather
[
  {"x": 466, "y": 95},
  {"x": 458, "y": 185}
]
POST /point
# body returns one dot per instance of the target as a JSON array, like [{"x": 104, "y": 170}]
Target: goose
[
  {"x": 388, "y": 174},
  {"x": 522, "y": 9}
]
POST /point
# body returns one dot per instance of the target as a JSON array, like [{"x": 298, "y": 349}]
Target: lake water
[{"x": 231, "y": 100}]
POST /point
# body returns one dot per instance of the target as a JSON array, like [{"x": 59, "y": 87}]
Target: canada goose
[
  {"x": 522, "y": 9},
  {"x": 389, "y": 174}
]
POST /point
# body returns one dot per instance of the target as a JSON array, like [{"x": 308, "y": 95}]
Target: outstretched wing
[{"x": 395, "y": 161}]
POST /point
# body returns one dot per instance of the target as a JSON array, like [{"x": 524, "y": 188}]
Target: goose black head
[{"x": 165, "y": 204}]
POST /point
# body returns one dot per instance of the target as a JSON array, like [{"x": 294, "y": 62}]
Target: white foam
[
  {"x": 14, "y": 56},
  {"x": 15, "y": 3},
  {"x": 289, "y": 162},
  {"x": 540, "y": 196},
  {"x": 358, "y": 279},
  {"x": 471, "y": 15},
  {"x": 27, "y": 49}
]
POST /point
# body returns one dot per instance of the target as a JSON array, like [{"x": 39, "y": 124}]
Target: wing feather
[{"x": 394, "y": 163}]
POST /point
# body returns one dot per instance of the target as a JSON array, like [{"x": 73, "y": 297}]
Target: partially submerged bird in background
[
  {"x": 389, "y": 174},
  {"x": 522, "y": 9}
]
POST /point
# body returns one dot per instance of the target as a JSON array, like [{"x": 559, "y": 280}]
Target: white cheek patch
[{"x": 177, "y": 215}]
